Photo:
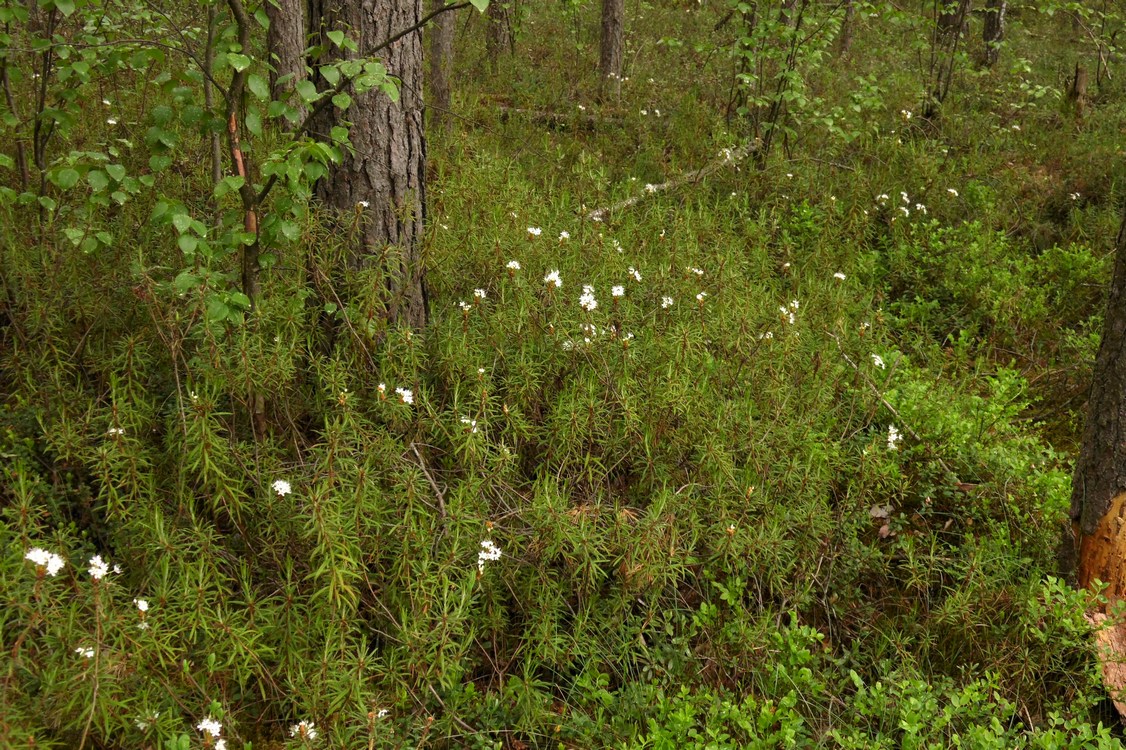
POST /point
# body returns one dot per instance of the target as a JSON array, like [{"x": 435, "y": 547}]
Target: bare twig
[{"x": 728, "y": 158}]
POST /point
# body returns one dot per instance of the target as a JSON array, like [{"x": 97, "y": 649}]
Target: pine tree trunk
[
  {"x": 498, "y": 33},
  {"x": 993, "y": 33},
  {"x": 1098, "y": 498},
  {"x": 381, "y": 181},
  {"x": 441, "y": 59},
  {"x": 610, "y": 57},
  {"x": 285, "y": 40},
  {"x": 844, "y": 39}
]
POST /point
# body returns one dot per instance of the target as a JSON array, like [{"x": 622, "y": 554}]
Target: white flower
[
  {"x": 98, "y": 568},
  {"x": 905, "y": 211},
  {"x": 479, "y": 294},
  {"x": 697, "y": 271},
  {"x": 111, "y": 121},
  {"x": 48, "y": 562},
  {"x": 700, "y": 297},
  {"x": 666, "y": 302},
  {"x": 952, "y": 191},
  {"x": 85, "y": 652},
  {"x": 142, "y": 605},
  {"x": 362, "y": 204},
  {"x": 921, "y": 208},
  {"x": 635, "y": 274},
  {"x": 794, "y": 305},
  {"x": 552, "y": 277},
  {"x": 210, "y": 727},
  {"x": 564, "y": 235},
  {"x": 306, "y": 730},
  {"x": 906, "y": 113},
  {"x": 617, "y": 291},
  {"x": 730, "y": 528},
  {"x": 878, "y": 361},
  {"x": 470, "y": 424},
  {"x": 282, "y": 487},
  {"x": 839, "y": 276},
  {"x": 587, "y": 300},
  {"x": 1016, "y": 127},
  {"x": 383, "y": 711},
  {"x": 534, "y": 231},
  {"x": 882, "y": 198},
  {"x": 512, "y": 265},
  {"x": 893, "y": 438},
  {"x": 650, "y": 187},
  {"x": 903, "y": 195},
  {"x": 147, "y": 721},
  {"x": 382, "y": 388},
  {"x": 115, "y": 432},
  {"x": 768, "y": 335},
  {"x": 1074, "y": 196},
  {"x": 406, "y": 395},
  {"x": 489, "y": 552},
  {"x": 465, "y": 306},
  {"x": 220, "y": 745}
]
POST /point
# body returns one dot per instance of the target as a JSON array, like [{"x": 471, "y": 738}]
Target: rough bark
[
  {"x": 498, "y": 33},
  {"x": 285, "y": 40},
  {"x": 441, "y": 59},
  {"x": 382, "y": 179},
  {"x": 1098, "y": 499},
  {"x": 611, "y": 52},
  {"x": 952, "y": 17},
  {"x": 848, "y": 28},
  {"x": 993, "y": 32}
]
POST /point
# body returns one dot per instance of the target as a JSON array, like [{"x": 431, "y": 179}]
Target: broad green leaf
[
  {"x": 66, "y": 178},
  {"x": 342, "y": 100},
  {"x": 116, "y": 171},
  {"x": 331, "y": 74},
  {"x": 254, "y": 122},
  {"x": 97, "y": 179},
  {"x": 187, "y": 243},
  {"x": 181, "y": 222},
  {"x": 237, "y": 61},
  {"x": 217, "y": 310},
  {"x": 480, "y": 5},
  {"x": 306, "y": 90},
  {"x": 66, "y": 7},
  {"x": 258, "y": 86},
  {"x": 337, "y": 37}
]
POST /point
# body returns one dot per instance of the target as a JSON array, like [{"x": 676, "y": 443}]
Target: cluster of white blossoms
[
  {"x": 666, "y": 303},
  {"x": 115, "y": 432},
  {"x": 489, "y": 552},
  {"x": 305, "y": 730},
  {"x": 587, "y": 300},
  {"x": 789, "y": 312},
  {"x": 479, "y": 294},
  {"x": 470, "y": 425},
  {"x": 534, "y": 232},
  {"x": 281, "y": 487},
  {"x": 142, "y": 609},
  {"x": 98, "y": 568},
  {"x": 552, "y": 279},
  {"x": 564, "y": 236},
  {"x": 635, "y": 274},
  {"x": 46, "y": 563},
  {"x": 617, "y": 291},
  {"x": 839, "y": 276},
  {"x": 211, "y": 730},
  {"x": 893, "y": 438},
  {"x": 406, "y": 395},
  {"x": 512, "y": 265},
  {"x": 85, "y": 652},
  {"x": 878, "y": 361}
]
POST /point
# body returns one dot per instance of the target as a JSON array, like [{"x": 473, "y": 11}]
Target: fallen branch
[{"x": 727, "y": 157}]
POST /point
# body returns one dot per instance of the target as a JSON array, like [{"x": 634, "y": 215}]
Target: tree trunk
[
  {"x": 285, "y": 41},
  {"x": 498, "y": 32},
  {"x": 380, "y": 182},
  {"x": 441, "y": 58},
  {"x": 952, "y": 18},
  {"x": 1098, "y": 496},
  {"x": 844, "y": 38},
  {"x": 993, "y": 33},
  {"x": 610, "y": 57}
]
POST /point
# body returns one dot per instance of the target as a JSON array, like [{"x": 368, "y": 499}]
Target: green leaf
[
  {"x": 6, "y": 161},
  {"x": 258, "y": 86},
  {"x": 217, "y": 310},
  {"x": 181, "y": 222},
  {"x": 97, "y": 179},
  {"x": 337, "y": 37},
  {"x": 116, "y": 171},
  {"x": 66, "y": 178},
  {"x": 331, "y": 74},
  {"x": 254, "y": 122},
  {"x": 480, "y": 5},
  {"x": 342, "y": 100},
  {"x": 159, "y": 162},
  {"x": 187, "y": 243},
  {"x": 290, "y": 230},
  {"x": 306, "y": 90},
  {"x": 66, "y": 7},
  {"x": 75, "y": 235},
  {"x": 186, "y": 280},
  {"x": 238, "y": 62},
  {"x": 238, "y": 299}
]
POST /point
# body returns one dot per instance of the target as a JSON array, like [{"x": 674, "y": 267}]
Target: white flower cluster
[
  {"x": 512, "y": 265},
  {"x": 85, "y": 652},
  {"x": 878, "y": 361},
  {"x": 587, "y": 300},
  {"x": 470, "y": 424},
  {"x": 666, "y": 303},
  {"x": 893, "y": 438},
  {"x": 98, "y": 568},
  {"x": 406, "y": 395},
  {"x": 552, "y": 279},
  {"x": 282, "y": 487},
  {"x": 305, "y": 730},
  {"x": 489, "y": 552},
  {"x": 45, "y": 562},
  {"x": 617, "y": 291},
  {"x": 789, "y": 311},
  {"x": 635, "y": 274}
]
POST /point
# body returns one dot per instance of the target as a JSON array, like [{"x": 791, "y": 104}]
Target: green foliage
[{"x": 796, "y": 480}]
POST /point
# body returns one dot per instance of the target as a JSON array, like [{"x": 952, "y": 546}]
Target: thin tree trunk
[
  {"x": 848, "y": 24},
  {"x": 285, "y": 41},
  {"x": 610, "y": 57},
  {"x": 1098, "y": 496},
  {"x": 380, "y": 182},
  {"x": 993, "y": 33},
  {"x": 441, "y": 59},
  {"x": 498, "y": 33}
]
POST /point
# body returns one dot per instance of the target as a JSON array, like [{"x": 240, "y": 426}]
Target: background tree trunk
[
  {"x": 610, "y": 57},
  {"x": 498, "y": 32},
  {"x": 285, "y": 41},
  {"x": 952, "y": 17},
  {"x": 382, "y": 180},
  {"x": 441, "y": 58},
  {"x": 848, "y": 23},
  {"x": 1098, "y": 496},
  {"x": 993, "y": 33}
]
